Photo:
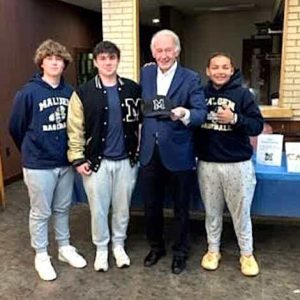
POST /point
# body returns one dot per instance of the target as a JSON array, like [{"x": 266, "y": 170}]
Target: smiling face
[
  {"x": 219, "y": 70},
  {"x": 107, "y": 64},
  {"x": 53, "y": 66},
  {"x": 165, "y": 52}
]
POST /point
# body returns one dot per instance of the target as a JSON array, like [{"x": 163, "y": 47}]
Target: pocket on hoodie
[{"x": 55, "y": 145}]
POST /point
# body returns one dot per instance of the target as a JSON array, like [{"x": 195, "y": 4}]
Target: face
[
  {"x": 164, "y": 51},
  {"x": 107, "y": 64},
  {"x": 219, "y": 70},
  {"x": 53, "y": 66}
]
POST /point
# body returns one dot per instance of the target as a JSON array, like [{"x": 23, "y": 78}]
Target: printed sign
[
  {"x": 292, "y": 151},
  {"x": 269, "y": 149}
]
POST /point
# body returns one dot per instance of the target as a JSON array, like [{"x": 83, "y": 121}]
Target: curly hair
[{"x": 50, "y": 47}]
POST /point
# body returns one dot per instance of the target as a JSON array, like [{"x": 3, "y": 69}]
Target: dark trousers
[{"x": 154, "y": 178}]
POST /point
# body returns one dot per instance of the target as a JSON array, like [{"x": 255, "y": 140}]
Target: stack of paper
[{"x": 292, "y": 151}]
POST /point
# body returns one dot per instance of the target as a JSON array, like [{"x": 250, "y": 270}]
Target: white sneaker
[
  {"x": 44, "y": 267},
  {"x": 122, "y": 259},
  {"x": 101, "y": 261},
  {"x": 69, "y": 255}
]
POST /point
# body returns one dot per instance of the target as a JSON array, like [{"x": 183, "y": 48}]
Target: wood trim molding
[{"x": 273, "y": 112}]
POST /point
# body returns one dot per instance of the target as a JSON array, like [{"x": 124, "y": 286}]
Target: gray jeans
[
  {"x": 50, "y": 193},
  {"x": 111, "y": 185},
  {"x": 233, "y": 183}
]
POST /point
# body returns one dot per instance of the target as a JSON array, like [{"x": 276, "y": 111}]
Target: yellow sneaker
[
  {"x": 210, "y": 261},
  {"x": 249, "y": 266}
]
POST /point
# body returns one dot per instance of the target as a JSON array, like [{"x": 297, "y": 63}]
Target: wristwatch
[{"x": 234, "y": 119}]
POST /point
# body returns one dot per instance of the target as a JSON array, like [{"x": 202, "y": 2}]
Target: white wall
[{"x": 211, "y": 32}]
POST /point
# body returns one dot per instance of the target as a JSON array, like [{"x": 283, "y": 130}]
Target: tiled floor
[{"x": 277, "y": 246}]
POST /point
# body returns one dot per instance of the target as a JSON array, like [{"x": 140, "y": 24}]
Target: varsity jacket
[{"x": 88, "y": 121}]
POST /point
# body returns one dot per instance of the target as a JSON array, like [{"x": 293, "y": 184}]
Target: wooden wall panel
[{"x": 23, "y": 26}]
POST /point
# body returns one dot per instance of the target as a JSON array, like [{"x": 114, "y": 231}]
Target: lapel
[
  {"x": 176, "y": 82},
  {"x": 152, "y": 81}
]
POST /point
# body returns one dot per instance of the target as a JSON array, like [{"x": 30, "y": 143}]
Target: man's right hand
[{"x": 84, "y": 169}]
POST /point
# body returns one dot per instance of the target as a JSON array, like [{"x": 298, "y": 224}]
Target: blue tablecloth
[{"x": 277, "y": 192}]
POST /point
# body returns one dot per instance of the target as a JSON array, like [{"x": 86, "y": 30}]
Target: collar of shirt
[{"x": 163, "y": 80}]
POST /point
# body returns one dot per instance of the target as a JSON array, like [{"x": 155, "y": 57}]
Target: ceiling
[
  {"x": 94, "y": 5},
  {"x": 150, "y": 8}
]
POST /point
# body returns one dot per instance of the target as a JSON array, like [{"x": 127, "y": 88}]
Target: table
[{"x": 277, "y": 192}]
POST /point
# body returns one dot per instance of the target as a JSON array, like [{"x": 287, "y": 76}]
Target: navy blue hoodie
[
  {"x": 225, "y": 142},
  {"x": 38, "y": 123}
]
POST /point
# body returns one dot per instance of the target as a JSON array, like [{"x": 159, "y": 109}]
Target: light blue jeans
[
  {"x": 50, "y": 193},
  {"x": 233, "y": 184},
  {"x": 111, "y": 185}
]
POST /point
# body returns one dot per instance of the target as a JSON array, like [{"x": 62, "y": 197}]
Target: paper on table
[
  {"x": 269, "y": 149},
  {"x": 292, "y": 151}
]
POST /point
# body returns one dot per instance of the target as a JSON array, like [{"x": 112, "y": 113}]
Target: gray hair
[{"x": 166, "y": 32}]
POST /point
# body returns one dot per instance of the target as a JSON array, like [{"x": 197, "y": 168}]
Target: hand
[
  {"x": 178, "y": 113},
  {"x": 84, "y": 169},
  {"x": 224, "y": 115}
]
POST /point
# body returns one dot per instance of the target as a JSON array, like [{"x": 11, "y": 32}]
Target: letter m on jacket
[{"x": 133, "y": 109}]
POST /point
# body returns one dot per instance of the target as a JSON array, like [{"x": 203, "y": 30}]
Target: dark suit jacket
[{"x": 175, "y": 140}]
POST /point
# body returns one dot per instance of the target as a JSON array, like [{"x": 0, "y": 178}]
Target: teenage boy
[
  {"x": 225, "y": 171},
  {"x": 103, "y": 139},
  {"x": 38, "y": 128}
]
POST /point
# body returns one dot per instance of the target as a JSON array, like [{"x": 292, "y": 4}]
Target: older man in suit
[{"x": 167, "y": 148}]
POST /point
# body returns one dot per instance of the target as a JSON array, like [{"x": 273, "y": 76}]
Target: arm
[
  {"x": 197, "y": 102},
  {"x": 20, "y": 118},
  {"x": 195, "y": 114},
  {"x": 249, "y": 120},
  {"x": 76, "y": 135}
]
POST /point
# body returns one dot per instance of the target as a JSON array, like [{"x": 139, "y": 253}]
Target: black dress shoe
[
  {"x": 178, "y": 264},
  {"x": 153, "y": 257}
]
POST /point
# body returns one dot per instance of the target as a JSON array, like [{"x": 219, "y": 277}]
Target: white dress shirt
[
  {"x": 164, "y": 80},
  {"x": 163, "y": 83}
]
